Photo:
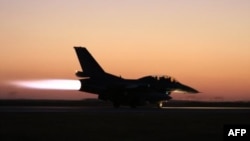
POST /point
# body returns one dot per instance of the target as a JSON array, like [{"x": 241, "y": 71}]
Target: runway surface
[
  {"x": 83, "y": 109},
  {"x": 75, "y": 123}
]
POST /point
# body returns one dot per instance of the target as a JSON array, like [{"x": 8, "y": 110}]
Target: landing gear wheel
[{"x": 160, "y": 104}]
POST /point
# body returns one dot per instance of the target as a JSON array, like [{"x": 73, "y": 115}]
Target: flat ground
[{"x": 41, "y": 123}]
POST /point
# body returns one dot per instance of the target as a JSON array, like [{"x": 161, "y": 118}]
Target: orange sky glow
[{"x": 202, "y": 43}]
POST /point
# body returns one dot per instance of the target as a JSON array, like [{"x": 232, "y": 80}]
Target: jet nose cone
[
  {"x": 192, "y": 90},
  {"x": 188, "y": 89}
]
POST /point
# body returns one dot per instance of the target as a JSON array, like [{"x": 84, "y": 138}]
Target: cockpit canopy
[
  {"x": 160, "y": 78},
  {"x": 166, "y": 77}
]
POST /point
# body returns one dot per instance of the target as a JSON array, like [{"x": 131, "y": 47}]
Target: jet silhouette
[{"x": 120, "y": 91}]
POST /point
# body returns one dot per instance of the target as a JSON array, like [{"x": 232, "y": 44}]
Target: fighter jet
[{"x": 121, "y": 91}]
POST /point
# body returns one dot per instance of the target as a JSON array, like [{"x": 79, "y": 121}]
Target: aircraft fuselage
[{"x": 131, "y": 92}]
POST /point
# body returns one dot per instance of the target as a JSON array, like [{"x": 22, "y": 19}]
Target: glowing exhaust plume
[{"x": 52, "y": 84}]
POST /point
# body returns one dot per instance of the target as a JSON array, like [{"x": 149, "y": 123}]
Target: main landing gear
[{"x": 161, "y": 104}]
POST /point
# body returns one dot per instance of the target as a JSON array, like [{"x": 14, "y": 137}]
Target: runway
[
  {"x": 106, "y": 109},
  {"x": 107, "y": 123}
]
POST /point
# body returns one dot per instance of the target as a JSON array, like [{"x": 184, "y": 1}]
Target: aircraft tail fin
[{"x": 88, "y": 64}]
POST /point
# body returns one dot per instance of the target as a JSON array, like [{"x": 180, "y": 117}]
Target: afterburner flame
[{"x": 52, "y": 84}]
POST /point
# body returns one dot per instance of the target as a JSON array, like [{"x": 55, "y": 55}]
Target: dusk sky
[{"x": 202, "y": 43}]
